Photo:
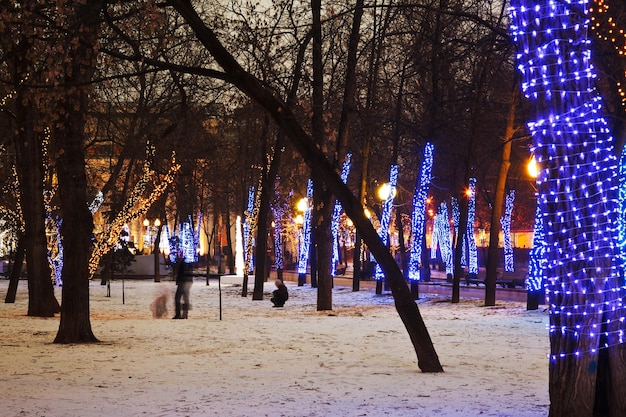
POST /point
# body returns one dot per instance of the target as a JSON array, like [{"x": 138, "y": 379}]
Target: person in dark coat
[
  {"x": 183, "y": 284},
  {"x": 280, "y": 294}
]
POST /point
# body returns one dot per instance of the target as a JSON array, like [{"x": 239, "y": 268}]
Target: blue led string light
[
  {"x": 537, "y": 256},
  {"x": 248, "y": 261},
  {"x": 621, "y": 224},
  {"x": 442, "y": 229},
  {"x": 334, "y": 223},
  {"x": 422, "y": 185},
  {"x": 456, "y": 218},
  {"x": 577, "y": 182},
  {"x": 505, "y": 221},
  {"x": 278, "y": 212},
  {"x": 385, "y": 216},
  {"x": 305, "y": 242},
  {"x": 472, "y": 251}
]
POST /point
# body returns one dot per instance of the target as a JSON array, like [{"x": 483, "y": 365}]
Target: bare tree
[{"x": 427, "y": 358}]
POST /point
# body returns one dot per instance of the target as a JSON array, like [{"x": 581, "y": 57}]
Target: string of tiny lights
[
  {"x": 441, "y": 229},
  {"x": 135, "y": 207},
  {"x": 537, "y": 259},
  {"x": 505, "y": 221},
  {"x": 472, "y": 250},
  {"x": 278, "y": 212},
  {"x": 621, "y": 219},
  {"x": 577, "y": 182},
  {"x": 385, "y": 216},
  {"x": 334, "y": 223},
  {"x": 605, "y": 26},
  {"x": 456, "y": 218},
  {"x": 418, "y": 218},
  {"x": 305, "y": 243}
]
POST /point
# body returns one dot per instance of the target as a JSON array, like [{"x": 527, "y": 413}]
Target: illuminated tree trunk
[
  {"x": 408, "y": 311},
  {"x": 577, "y": 187},
  {"x": 20, "y": 54},
  {"x": 30, "y": 170}
]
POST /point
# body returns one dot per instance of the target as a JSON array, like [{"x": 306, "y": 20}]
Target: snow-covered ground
[{"x": 356, "y": 360}]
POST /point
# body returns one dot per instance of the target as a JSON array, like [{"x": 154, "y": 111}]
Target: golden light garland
[
  {"x": 135, "y": 207},
  {"x": 606, "y": 28}
]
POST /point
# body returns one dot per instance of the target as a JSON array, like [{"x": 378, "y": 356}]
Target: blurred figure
[
  {"x": 183, "y": 284},
  {"x": 280, "y": 294}
]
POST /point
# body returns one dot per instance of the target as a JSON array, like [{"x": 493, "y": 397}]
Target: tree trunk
[
  {"x": 323, "y": 169},
  {"x": 267, "y": 190},
  {"x": 28, "y": 137},
  {"x": 77, "y": 226},
  {"x": 29, "y": 160},
  {"x": 578, "y": 198},
  {"x": 323, "y": 201},
  {"x": 496, "y": 212},
  {"x": 16, "y": 271}
]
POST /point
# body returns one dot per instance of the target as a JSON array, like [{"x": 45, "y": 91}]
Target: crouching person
[{"x": 280, "y": 294}]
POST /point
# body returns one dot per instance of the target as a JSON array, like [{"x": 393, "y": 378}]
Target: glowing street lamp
[
  {"x": 533, "y": 168},
  {"x": 386, "y": 191}
]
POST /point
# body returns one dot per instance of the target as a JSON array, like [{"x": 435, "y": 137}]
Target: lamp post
[
  {"x": 299, "y": 221},
  {"x": 534, "y": 285},
  {"x": 147, "y": 237},
  {"x": 386, "y": 193}
]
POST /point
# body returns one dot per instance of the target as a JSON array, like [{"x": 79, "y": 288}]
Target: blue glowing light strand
[
  {"x": 442, "y": 228},
  {"x": 505, "y": 221},
  {"x": 306, "y": 230},
  {"x": 305, "y": 242},
  {"x": 278, "y": 212},
  {"x": 472, "y": 250},
  {"x": 57, "y": 260},
  {"x": 621, "y": 219},
  {"x": 537, "y": 260},
  {"x": 385, "y": 216},
  {"x": 334, "y": 223},
  {"x": 418, "y": 219},
  {"x": 456, "y": 218},
  {"x": 247, "y": 233},
  {"x": 187, "y": 242},
  {"x": 577, "y": 184}
]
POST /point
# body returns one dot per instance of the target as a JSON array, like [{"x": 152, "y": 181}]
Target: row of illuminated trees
[{"x": 406, "y": 78}]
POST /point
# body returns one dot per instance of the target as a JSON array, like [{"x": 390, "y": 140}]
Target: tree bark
[
  {"x": 29, "y": 160},
  {"x": 428, "y": 360},
  {"x": 16, "y": 271},
  {"x": 496, "y": 212},
  {"x": 578, "y": 198},
  {"x": 323, "y": 201},
  {"x": 77, "y": 226}
]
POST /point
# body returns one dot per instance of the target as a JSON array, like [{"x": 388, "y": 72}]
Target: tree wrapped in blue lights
[
  {"x": 456, "y": 218},
  {"x": 536, "y": 264},
  {"x": 248, "y": 234},
  {"x": 305, "y": 241},
  {"x": 334, "y": 223},
  {"x": 418, "y": 223},
  {"x": 578, "y": 197},
  {"x": 621, "y": 223},
  {"x": 385, "y": 216},
  {"x": 505, "y": 221},
  {"x": 278, "y": 212},
  {"x": 441, "y": 230},
  {"x": 472, "y": 251}
]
